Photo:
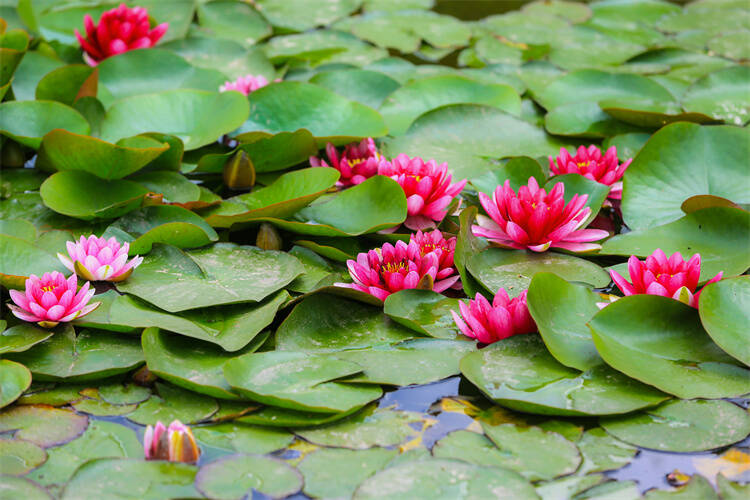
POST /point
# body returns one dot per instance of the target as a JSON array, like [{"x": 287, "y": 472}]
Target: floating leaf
[
  {"x": 237, "y": 437},
  {"x": 19, "y": 487},
  {"x": 602, "y": 452},
  {"x": 42, "y": 425},
  {"x": 722, "y": 95},
  {"x": 423, "y": 311},
  {"x": 18, "y": 457},
  {"x": 14, "y": 380},
  {"x": 27, "y": 122},
  {"x": 725, "y": 313},
  {"x": 293, "y": 15},
  {"x": 231, "y": 58},
  {"x": 235, "y": 21},
  {"x": 367, "y": 87},
  {"x": 173, "y": 403},
  {"x": 236, "y": 476}
]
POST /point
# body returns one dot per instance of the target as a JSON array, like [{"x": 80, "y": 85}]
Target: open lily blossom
[
  {"x": 396, "y": 267},
  {"x": 444, "y": 249},
  {"x": 99, "y": 259},
  {"x": 119, "y": 30},
  {"x": 175, "y": 443},
  {"x": 245, "y": 84},
  {"x": 536, "y": 220},
  {"x": 669, "y": 277},
  {"x": 427, "y": 186},
  {"x": 489, "y": 323},
  {"x": 52, "y": 299},
  {"x": 357, "y": 163},
  {"x": 590, "y": 163}
]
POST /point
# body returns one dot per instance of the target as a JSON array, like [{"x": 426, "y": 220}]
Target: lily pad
[
  {"x": 173, "y": 403},
  {"x": 42, "y": 425},
  {"x": 177, "y": 281},
  {"x": 19, "y": 487},
  {"x": 367, "y": 87},
  {"x": 517, "y": 170},
  {"x": 661, "y": 342},
  {"x": 722, "y": 95},
  {"x": 585, "y": 119},
  {"x": 21, "y": 258},
  {"x": 423, "y": 311},
  {"x": 298, "y": 381},
  {"x": 68, "y": 84},
  {"x": 236, "y": 21},
  {"x": 231, "y": 58},
  {"x": 520, "y": 374},
  {"x": 237, "y": 476},
  {"x": 683, "y": 426},
  {"x": 602, "y": 452},
  {"x": 293, "y": 15},
  {"x": 725, "y": 313},
  {"x": 17, "y": 457},
  {"x": 272, "y": 416},
  {"x": 27, "y": 122},
  {"x": 22, "y": 337},
  {"x": 244, "y": 438},
  {"x": 14, "y": 380}
]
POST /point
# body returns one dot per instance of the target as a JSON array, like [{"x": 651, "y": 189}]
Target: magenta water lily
[
  {"x": 99, "y": 259},
  {"x": 357, "y": 163},
  {"x": 52, "y": 299},
  {"x": 175, "y": 443},
  {"x": 489, "y": 323},
  {"x": 590, "y": 163},
  {"x": 245, "y": 84}
]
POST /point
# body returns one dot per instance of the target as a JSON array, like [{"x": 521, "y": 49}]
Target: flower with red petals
[
  {"x": 52, "y": 299},
  {"x": 175, "y": 443},
  {"x": 591, "y": 164},
  {"x": 669, "y": 277},
  {"x": 119, "y": 30},
  {"x": 246, "y": 84},
  {"x": 443, "y": 248},
  {"x": 427, "y": 187},
  {"x": 489, "y": 323},
  {"x": 357, "y": 163},
  {"x": 536, "y": 220}
]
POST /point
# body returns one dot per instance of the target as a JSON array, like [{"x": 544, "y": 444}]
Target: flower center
[
  {"x": 355, "y": 161},
  {"x": 49, "y": 288},
  {"x": 394, "y": 267},
  {"x": 415, "y": 177},
  {"x": 583, "y": 164}
]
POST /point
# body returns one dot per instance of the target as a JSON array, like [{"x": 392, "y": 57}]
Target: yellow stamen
[{"x": 49, "y": 288}]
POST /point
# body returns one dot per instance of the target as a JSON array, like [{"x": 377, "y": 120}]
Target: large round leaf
[
  {"x": 683, "y": 160},
  {"x": 602, "y": 452},
  {"x": 423, "y": 311},
  {"x": 289, "y": 106},
  {"x": 725, "y": 314},
  {"x": 20, "y": 258},
  {"x": 519, "y": 373},
  {"x": 196, "y": 117},
  {"x": 233, "y": 436},
  {"x": 172, "y": 403},
  {"x": 298, "y": 381},
  {"x": 237, "y": 476},
  {"x": 404, "y": 105},
  {"x": 14, "y": 380},
  {"x": 42, "y": 425},
  {"x": 17, "y": 457},
  {"x": 367, "y": 87},
  {"x": 235, "y": 21},
  {"x": 661, "y": 342},
  {"x": 177, "y": 281},
  {"x": 19, "y": 487},
  {"x": 22, "y": 337},
  {"x": 229, "y": 57},
  {"x": 722, "y": 95},
  {"x": 28, "y": 121},
  {"x": 683, "y": 426},
  {"x": 294, "y": 15}
]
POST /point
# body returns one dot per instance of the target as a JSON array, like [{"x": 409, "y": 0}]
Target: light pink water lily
[
  {"x": 669, "y": 277},
  {"x": 396, "y": 267},
  {"x": 444, "y": 249},
  {"x": 536, "y": 220},
  {"x": 357, "y": 163},
  {"x": 245, "y": 84},
  {"x": 119, "y": 30},
  {"x": 489, "y": 323},
  {"x": 427, "y": 186},
  {"x": 590, "y": 163},
  {"x": 175, "y": 443},
  {"x": 99, "y": 259},
  {"x": 52, "y": 299}
]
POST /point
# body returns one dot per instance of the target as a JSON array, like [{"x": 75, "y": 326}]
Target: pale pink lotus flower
[
  {"x": 246, "y": 84},
  {"x": 99, "y": 259},
  {"x": 434, "y": 241},
  {"x": 119, "y": 30},
  {"x": 590, "y": 163},
  {"x": 52, "y": 299},
  {"x": 536, "y": 220},
  {"x": 489, "y": 323},
  {"x": 396, "y": 267},
  {"x": 427, "y": 187},
  {"x": 357, "y": 163},
  {"x": 175, "y": 443},
  {"x": 669, "y": 277}
]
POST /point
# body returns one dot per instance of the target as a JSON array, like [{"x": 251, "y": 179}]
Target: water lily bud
[
  {"x": 182, "y": 445},
  {"x": 239, "y": 172},
  {"x": 268, "y": 237}
]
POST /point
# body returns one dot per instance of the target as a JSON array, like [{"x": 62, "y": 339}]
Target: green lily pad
[
  {"x": 68, "y": 84},
  {"x": 88, "y": 355},
  {"x": 231, "y": 58},
  {"x": 585, "y": 119},
  {"x": 101, "y": 439},
  {"x": 725, "y": 313},
  {"x": 236, "y": 21},
  {"x": 683, "y": 160},
  {"x": 519, "y": 373},
  {"x": 177, "y": 281},
  {"x": 423, "y": 311},
  {"x": 651, "y": 113},
  {"x": 19, "y": 487},
  {"x": 290, "y": 106},
  {"x": 52, "y": 395},
  {"x": 118, "y": 394},
  {"x": 19, "y": 228},
  {"x": 42, "y": 425},
  {"x": 135, "y": 479},
  {"x": 366, "y": 87},
  {"x": 237, "y": 437},
  {"x": 94, "y": 405},
  {"x": 731, "y": 490},
  {"x": 366, "y": 429},
  {"x": 20, "y": 258},
  {"x": 317, "y": 271},
  {"x": 324, "y": 323},
  {"x": 18, "y": 457},
  {"x": 722, "y": 95},
  {"x": 336, "y": 473},
  {"x": 567, "y": 487},
  {"x": 236, "y": 476},
  {"x": 733, "y": 44},
  {"x": 683, "y": 426},
  {"x": 173, "y": 186},
  {"x": 14, "y": 380},
  {"x": 513, "y": 270},
  {"x": 27, "y": 122},
  {"x": 561, "y": 311},
  {"x": 661, "y": 342},
  {"x": 272, "y": 416},
  {"x": 602, "y": 452},
  {"x": 22, "y": 337},
  {"x": 517, "y": 170},
  {"x": 173, "y": 403},
  {"x": 444, "y": 479},
  {"x": 404, "y": 105},
  {"x": 196, "y": 117},
  {"x": 293, "y": 15}
]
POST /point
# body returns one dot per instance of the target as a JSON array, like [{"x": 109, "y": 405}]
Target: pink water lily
[
  {"x": 99, "y": 259},
  {"x": 245, "y": 84},
  {"x": 489, "y": 323},
  {"x": 669, "y": 277},
  {"x": 357, "y": 163},
  {"x": 427, "y": 187},
  {"x": 536, "y": 220},
  {"x": 52, "y": 299},
  {"x": 590, "y": 163},
  {"x": 443, "y": 248},
  {"x": 119, "y": 30},
  {"x": 175, "y": 443},
  {"x": 396, "y": 267}
]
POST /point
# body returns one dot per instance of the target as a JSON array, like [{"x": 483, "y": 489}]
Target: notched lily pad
[
  {"x": 237, "y": 476},
  {"x": 43, "y": 425}
]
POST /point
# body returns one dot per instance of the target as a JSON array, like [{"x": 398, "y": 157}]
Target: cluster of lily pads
[{"x": 202, "y": 303}]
